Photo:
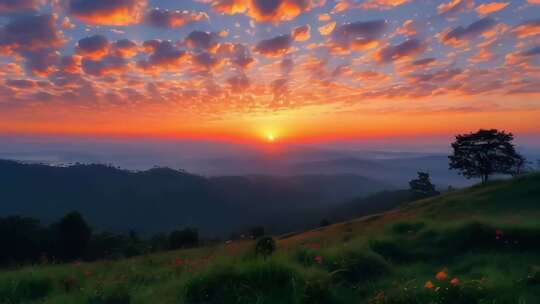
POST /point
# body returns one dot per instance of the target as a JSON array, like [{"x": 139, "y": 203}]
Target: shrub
[
  {"x": 29, "y": 288},
  {"x": 407, "y": 227},
  {"x": 250, "y": 282},
  {"x": 265, "y": 246},
  {"x": 355, "y": 266},
  {"x": 114, "y": 295},
  {"x": 392, "y": 249}
]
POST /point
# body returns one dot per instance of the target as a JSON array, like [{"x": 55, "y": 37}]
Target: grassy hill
[{"x": 479, "y": 245}]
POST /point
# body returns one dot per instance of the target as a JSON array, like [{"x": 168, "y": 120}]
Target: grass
[{"x": 486, "y": 237}]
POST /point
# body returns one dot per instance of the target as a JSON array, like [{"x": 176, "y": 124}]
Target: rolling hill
[
  {"x": 478, "y": 245},
  {"x": 162, "y": 199}
]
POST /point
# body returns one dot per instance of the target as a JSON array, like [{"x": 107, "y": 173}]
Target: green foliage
[
  {"x": 73, "y": 236},
  {"x": 251, "y": 282},
  {"x": 485, "y": 153},
  {"x": 185, "y": 238},
  {"x": 355, "y": 265},
  {"x": 20, "y": 289},
  {"x": 422, "y": 186},
  {"x": 265, "y": 246},
  {"x": 114, "y": 295},
  {"x": 390, "y": 260}
]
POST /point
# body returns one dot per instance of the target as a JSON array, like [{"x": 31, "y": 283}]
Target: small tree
[
  {"x": 257, "y": 232},
  {"x": 74, "y": 234},
  {"x": 188, "y": 237},
  {"x": 422, "y": 186},
  {"x": 265, "y": 246},
  {"x": 484, "y": 153}
]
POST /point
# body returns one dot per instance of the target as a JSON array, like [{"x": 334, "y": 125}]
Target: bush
[
  {"x": 392, "y": 249},
  {"x": 355, "y": 266},
  {"x": 114, "y": 295},
  {"x": 265, "y": 246},
  {"x": 29, "y": 288},
  {"x": 251, "y": 282},
  {"x": 407, "y": 227},
  {"x": 183, "y": 238}
]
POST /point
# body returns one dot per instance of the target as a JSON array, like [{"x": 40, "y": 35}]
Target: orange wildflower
[
  {"x": 441, "y": 276},
  {"x": 454, "y": 281},
  {"x": 429, "y": 285}
]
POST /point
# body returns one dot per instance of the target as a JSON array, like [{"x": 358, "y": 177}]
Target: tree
[
  {"x": 183, "y": 238},
  {"x": 257, "y": 232},
  {"x": 422, "y": 186},
  {"x": 265, "y": 246},
  {"x": 74, "y": 234},
  {"x": 484, "y": 153}
]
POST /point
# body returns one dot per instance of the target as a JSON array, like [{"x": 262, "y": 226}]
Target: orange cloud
[
  {"x": 327, "y": 29},
  {"x": 527, "y": 29},
  {"x": 267, "y": 11},
  {"x": 382, "y": 4},
  {"x": 489, "y": 8},
  {"x": 172, "y": 19},
  {"x": 454, "y": 6},
  {"x": 302, "y": 33},
  {"x": 107, "y": 12}
]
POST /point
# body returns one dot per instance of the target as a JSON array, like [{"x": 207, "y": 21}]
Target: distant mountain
[{"x": 161, "y": 199}]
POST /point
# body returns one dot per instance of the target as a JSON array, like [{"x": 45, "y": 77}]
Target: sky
[{"x": 269, "y": 70}]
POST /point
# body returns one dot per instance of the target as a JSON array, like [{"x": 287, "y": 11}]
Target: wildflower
[
  {"x": 454, "y": 281},
  {"x": 441, "y": 276},
  {"x": 318, "y": 259},
  {"x": 178, "y": 262},
  {"x": 429, "y": 285},
  {"x": 499, "y": 234}
]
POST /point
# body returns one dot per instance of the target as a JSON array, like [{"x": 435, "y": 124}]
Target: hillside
[
  {"x": 479, "y": 245},
  {"x": 162, "y": 199}
]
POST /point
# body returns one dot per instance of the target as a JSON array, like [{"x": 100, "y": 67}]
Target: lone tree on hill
[
  {"x": 422, "y": 186},
  {"x": 484, "y": 153}
]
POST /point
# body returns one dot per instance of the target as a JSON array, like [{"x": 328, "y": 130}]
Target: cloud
[
  {"x": 202, "y": 40},
  {"x": 9, "y": 6},
  {"x": 173, "y": 19},
  {"x": 240, "y": 56},
  {"x": 163, "y": 56},
  {"x": 489, "y": 8},
  {"x": 267, "y": 10},
  {"x": 20, "y": 83},
  {"x": 301, "y": 33},
  {"x": 276, "y": 46},
  {"x": 238, "y": 83},
  {"x": 40, "y": 62},
  {"x": 206, "y": 61},
  {"x": 35, "y": 39},
  {"x": 30, "y": 33},
  {"x": 382, "y": 4},
  {"x": 358, "y": 35},
  {"x": 327, "y": 29},
  {"x": 462, "y": 34},
  {"x": 108, "y": 12},
  {"x": 93, "y": 47},
  {"x": 454, "y": 7},
  {"x": 527, "y": 29},
  {"x": 535, "y": 51},
  {"x": 105, "y": 66},
  {"x": 125, "y": 48},
  {"x": 408, "y": 49}
]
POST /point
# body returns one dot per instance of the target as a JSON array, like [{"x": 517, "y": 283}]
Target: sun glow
[{"x": 271, "y": 137}]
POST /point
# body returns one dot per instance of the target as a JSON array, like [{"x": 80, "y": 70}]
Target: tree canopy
[{"x": 484, "y": 153}]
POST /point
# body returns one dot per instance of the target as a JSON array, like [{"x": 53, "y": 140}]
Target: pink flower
[{"x": 318, "y": 259}]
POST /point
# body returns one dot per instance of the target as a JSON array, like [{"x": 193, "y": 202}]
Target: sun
[{"x": 271, "y": 137}]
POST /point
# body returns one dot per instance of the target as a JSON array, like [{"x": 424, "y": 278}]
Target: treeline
[{"x": 25, "y": 240}]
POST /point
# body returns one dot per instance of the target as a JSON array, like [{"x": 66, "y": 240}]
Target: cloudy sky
[{"x": 255, "y": 70}]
